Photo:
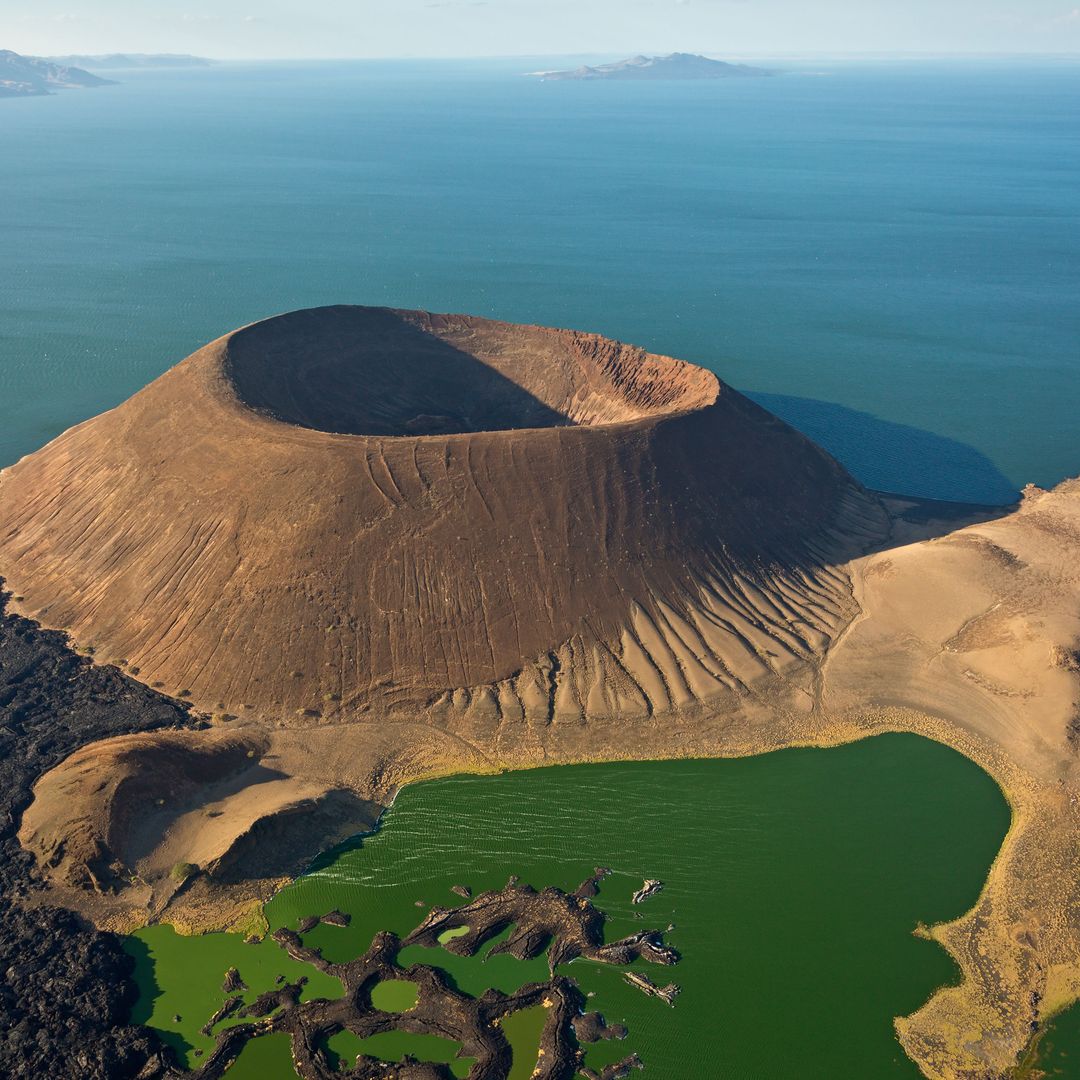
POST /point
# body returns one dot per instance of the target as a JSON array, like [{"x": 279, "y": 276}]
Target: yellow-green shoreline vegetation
[{"x": 794, "y": 881}]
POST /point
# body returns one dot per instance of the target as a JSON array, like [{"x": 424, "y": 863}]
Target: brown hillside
[{"x": 348, "y": 509}]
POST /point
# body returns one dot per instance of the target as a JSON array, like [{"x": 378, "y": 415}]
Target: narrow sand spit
[{"x": 379, "y": 546}]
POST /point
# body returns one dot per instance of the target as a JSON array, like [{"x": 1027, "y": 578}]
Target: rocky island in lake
[
  {"x": 564, "y": 926},
  {"x": 683, "y": 66}
]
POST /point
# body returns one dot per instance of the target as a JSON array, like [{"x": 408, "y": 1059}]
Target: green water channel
[
  {"x": 1056, "y": 1052},
  {"x": 794, "y": 880}
]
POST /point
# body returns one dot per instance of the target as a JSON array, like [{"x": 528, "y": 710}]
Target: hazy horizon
[
  {"x": 592, "y": 55},
  {"x": 475, "y": 29}
]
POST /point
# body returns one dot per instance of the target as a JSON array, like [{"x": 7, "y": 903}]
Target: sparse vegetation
[{"x": 181, "y": 871}]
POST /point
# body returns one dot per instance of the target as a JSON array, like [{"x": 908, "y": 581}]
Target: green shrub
[{"x": 182, "y": 871}]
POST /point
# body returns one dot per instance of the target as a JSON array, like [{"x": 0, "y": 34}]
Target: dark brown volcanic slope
[{"x": 353, "y": 509}]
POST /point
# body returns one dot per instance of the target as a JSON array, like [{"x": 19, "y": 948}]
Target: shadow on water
[
  {"x": 329, "y": 856},
  {"x": 893, "y": 457},
  {"x": 144, "y": 976}
]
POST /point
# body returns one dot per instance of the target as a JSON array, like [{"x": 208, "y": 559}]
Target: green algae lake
[{"x": 794, "y": 881}]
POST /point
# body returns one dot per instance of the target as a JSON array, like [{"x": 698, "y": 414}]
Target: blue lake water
[{"x": 886, "y": 255}]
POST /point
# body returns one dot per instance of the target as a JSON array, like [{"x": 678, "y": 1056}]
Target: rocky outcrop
[
  {"x": 65, "y": 988},
  {"x": 31, "y": 76},
  {"x": 569, "y": 922}
]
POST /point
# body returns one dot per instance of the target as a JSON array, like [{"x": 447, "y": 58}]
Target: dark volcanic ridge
[{"x": 66, "y": 989}]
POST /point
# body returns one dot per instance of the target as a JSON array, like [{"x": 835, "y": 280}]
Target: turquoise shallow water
[
  {"x": 794, "y": 880},
  {"x": 890, "y": 253}
]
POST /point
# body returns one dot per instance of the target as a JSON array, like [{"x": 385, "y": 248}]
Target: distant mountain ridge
[
  {"x": 673, "y": 66},
  {"x": 116, "y": 61},
  {"x": 32, "y": 76}
]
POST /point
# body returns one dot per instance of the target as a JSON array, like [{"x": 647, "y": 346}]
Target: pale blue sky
[{"x": 390, "y": 28}]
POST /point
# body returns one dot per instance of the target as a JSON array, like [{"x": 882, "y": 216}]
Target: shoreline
[{"x": 552, "y": 788}]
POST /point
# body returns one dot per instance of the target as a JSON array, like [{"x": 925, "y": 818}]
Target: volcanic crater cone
[{"x": 351, "y": 509}]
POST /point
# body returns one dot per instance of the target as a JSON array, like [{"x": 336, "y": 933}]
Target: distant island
[
  {"x": 32, "y": 76},
  {"x": 117, "y": 61},
  {"x": 674, "y": 66}
]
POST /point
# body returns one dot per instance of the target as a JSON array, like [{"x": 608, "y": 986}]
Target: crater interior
[{"x": 382, "y": 372}]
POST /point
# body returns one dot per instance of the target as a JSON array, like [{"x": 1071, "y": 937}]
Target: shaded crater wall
[{"x": 378, "y": 371}]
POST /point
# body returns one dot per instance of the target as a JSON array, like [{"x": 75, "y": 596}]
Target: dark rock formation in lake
[
  {"x": 566, "y": 925},
  {"x": 32, "y": 76},
  {"x": 680, "y": 66}
]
